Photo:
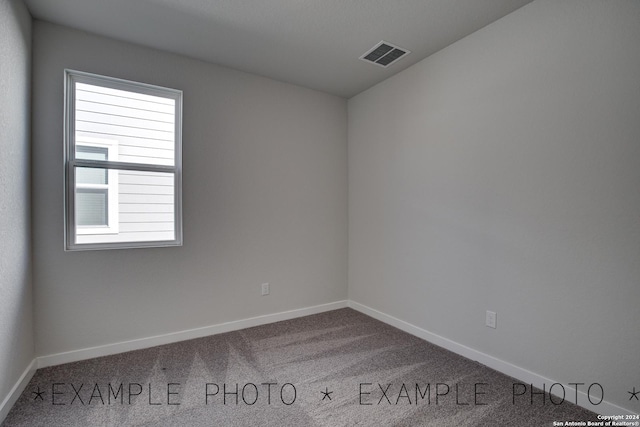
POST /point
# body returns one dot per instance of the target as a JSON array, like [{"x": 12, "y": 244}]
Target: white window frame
[
  {"x": 71, "y": 162},
  {"x": 112, "y": 226}
]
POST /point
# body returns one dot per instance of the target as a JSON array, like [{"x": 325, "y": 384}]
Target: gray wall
[
  {"x": 265, "y": 200},
  {"x": 503, "y": 173},
  {"x": 16, "y": 325}
]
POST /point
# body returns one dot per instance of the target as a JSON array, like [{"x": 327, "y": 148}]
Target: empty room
[{"x": 319, "y": 213}]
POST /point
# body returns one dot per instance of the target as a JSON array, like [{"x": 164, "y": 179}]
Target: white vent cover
[{"x": 384, "y": 54}]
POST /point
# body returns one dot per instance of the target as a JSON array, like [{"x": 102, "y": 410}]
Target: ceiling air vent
[{"x": 384, "y": 54}]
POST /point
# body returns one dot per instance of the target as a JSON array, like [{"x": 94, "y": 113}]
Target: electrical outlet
[
  {"x": 491, "y": 319},
  {"x": 265, "y": 289}
]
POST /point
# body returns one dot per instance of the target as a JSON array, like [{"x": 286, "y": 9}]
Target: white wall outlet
[
  {"x": 491, "y": 319},
  {"x": 265, "y": 289}
]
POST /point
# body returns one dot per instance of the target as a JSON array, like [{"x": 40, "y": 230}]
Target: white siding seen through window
[{"x": 123, "y": 163}]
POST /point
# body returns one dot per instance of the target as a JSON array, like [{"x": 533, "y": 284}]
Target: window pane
[
  {"x": 91, "y": 207},
  {"x": 91, "y": 153},
  {"x": 142, "y": 207},
  {"x": 91, "y": 176},
  {"x": 143, "y": 126}
]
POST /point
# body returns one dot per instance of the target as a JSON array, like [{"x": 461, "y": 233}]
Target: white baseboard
[
  {"x": 138, "y": 344},
  {"x": 524, "y": 375},
  {"x": 17, "y": 390}
]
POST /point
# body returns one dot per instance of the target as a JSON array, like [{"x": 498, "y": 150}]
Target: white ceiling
[{"x": 312, "y": 43}]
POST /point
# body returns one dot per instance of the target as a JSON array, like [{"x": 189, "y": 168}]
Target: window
[
  {"x": 123, "y": 163},
  {"x": 96, "y": 198}
]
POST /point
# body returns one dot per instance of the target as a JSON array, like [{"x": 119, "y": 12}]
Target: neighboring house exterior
[{"x": 123, "y": 205}]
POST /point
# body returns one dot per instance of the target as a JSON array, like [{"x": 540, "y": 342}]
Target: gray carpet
[{"x": 339, "y": 368}]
